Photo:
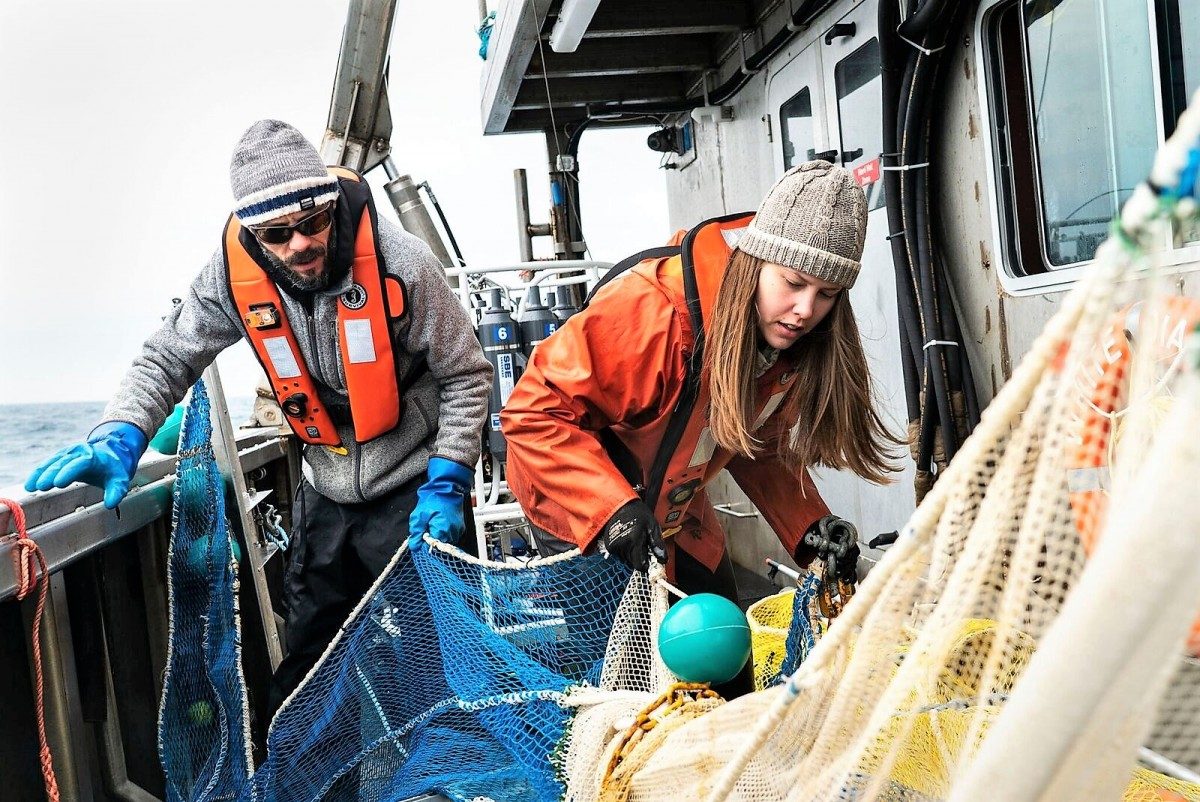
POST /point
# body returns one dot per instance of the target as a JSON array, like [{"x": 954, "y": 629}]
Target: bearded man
[{"x": 369, "y": 353}]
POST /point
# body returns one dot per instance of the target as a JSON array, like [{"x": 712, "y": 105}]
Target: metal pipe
[
  {"x": 414, "y": 217},
  {"x": 111, "y": 748},
  {"x": 349, "y": 121},
  {"x": 73, "y": 536},
  {"x": 524, "y": 232},
  {"x": 389, "y": 168}
]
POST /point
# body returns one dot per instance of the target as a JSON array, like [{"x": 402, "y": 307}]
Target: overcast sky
[{"x": 119, "y": 120}]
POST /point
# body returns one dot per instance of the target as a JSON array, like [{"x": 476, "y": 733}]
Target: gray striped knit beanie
[
  {"x": 814, "y": 219},
  {"x": 275, "y": 171}
]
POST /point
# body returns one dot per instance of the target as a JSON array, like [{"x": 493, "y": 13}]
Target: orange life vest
[{"x": 364, "y": 336}]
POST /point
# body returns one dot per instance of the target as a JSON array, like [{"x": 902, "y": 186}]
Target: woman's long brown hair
[{"x": 830, "y": 401}]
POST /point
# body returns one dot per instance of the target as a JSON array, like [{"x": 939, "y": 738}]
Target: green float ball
[
  {"x": 166, "y": 441},
  {"x": 201, "y": 713},
  {"x": 704, "y": 638},
  {"x": 198, "y": 555}
]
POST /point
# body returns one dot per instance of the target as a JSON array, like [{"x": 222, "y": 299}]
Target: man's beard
[{"x": 284, "y": 270}]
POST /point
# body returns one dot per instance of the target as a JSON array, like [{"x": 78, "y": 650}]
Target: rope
[{"x": 29, "y": 560}]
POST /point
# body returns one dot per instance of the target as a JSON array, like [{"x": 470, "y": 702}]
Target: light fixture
[{"x": 573, "y": 20}]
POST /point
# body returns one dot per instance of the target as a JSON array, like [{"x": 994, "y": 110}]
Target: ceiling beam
[
  {"x": 530, "y": 120},
  {"x": 656, "y": 88},
  {"x": 637, "y": 19},
  {"x": 599, "y": 57},
  {"x": 513, "y": 41}
]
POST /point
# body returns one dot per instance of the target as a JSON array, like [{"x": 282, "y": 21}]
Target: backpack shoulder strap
[
  {"x": 682, "y": 413},
  {"x": 625, "y": 264}
]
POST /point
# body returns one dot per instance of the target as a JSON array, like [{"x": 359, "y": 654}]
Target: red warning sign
[{"x": 867, "y": 173}]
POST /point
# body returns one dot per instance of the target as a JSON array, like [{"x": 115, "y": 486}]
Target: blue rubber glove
[
  {"x": 107, "y": 460},
  {"x": 439, "y": 510}
]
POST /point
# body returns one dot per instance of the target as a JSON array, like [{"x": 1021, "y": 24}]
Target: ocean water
[{"x": 29, "y": 433}]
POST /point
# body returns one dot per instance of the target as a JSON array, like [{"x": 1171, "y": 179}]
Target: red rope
[{"x": 29, "y": 560}]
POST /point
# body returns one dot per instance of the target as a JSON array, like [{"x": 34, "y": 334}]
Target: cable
[
  {"x": 437, "y": 207},
  {"x": 1045, "y": 68}
]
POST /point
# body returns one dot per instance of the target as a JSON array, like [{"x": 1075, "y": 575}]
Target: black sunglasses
[{"x": 310, "y": 226}]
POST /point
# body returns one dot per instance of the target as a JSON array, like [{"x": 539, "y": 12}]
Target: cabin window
[
  {"x": 1074, "y": 102},
  {"x": 796, "y": 129},
  {"x": 1091, "y": 87},
  {"x": 859, "y": 84}
]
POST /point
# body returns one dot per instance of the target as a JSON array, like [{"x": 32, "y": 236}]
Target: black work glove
[{"x": 632, "y": 535}]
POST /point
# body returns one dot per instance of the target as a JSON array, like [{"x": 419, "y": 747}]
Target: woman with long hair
[{"x": 741, "y": 352}]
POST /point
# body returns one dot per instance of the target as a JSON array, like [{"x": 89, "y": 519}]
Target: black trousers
[{"x": 337, "y": 553}]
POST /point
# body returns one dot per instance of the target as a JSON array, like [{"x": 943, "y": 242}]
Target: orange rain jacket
[{"x": 620, "y": 365}]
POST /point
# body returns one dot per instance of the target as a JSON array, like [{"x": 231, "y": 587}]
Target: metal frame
[
  {"x": 70, "y": 524},
  {"x": 65, "y": 728},
  {"x": 359, "y": 127},
  {"x": 259, "y": 550},
  {"x": 514, "y": 37}
]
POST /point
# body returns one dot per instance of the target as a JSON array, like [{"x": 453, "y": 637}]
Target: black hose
[
  {"x": 922, "y": 19},
  {"x": 945, "y": 374},
  {"x": 962, "y": 381},
  {"x": 892, "y": 76},
  {"x": 576, "y": 135},
  {"x": 926, "y": 279},
  {"x": 437, "y": 207},
  {"x": 939, "y": 386}
]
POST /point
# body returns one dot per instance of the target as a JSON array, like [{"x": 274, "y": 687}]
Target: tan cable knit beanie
[{"x": 814, "y": 219}]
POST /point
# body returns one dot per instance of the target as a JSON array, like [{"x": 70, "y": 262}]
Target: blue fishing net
[
  {"x": 203, "y": 721},
  {"x": 802, "y": 635},
  {"x": 448, "y": 678}
]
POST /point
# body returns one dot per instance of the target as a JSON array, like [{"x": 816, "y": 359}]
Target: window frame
[
  {"x": 804, "y": 59},
  {"x": 1008, "y": 230},
  {"x": 783, "y": 126},
  {"x": 875, "y": 190}
]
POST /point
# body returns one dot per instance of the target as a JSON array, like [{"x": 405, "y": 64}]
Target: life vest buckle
[
  {"x": 263, "y": 316},
  {"x": 295, "y": 405}
]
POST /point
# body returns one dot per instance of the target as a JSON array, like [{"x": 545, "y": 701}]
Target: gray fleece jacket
[{"x": 444, "y": 410}]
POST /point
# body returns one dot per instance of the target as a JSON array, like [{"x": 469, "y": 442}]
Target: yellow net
[{"x": 770, "y": 619}]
